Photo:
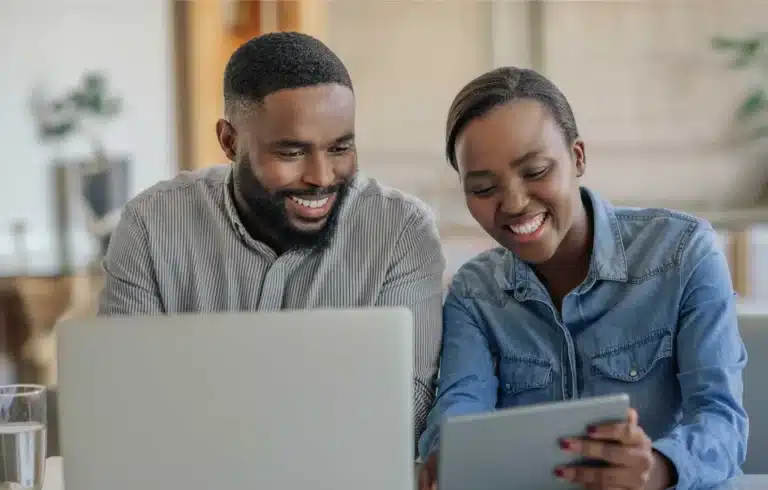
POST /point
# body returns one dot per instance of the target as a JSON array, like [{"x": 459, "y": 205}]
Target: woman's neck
[{"x": 568, "y": 268}]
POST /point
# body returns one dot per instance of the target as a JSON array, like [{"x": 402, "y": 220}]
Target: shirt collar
[
  {"x": 608, "y": 262},
  {"x": 229, "y": 204}
]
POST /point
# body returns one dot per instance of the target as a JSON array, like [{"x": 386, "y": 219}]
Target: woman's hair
[{"x": 497, "y": 87}]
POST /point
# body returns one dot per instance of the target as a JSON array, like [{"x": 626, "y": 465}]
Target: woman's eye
[
  {"x": 486, "y": 191},
  {"x": 536, "y": 174}
]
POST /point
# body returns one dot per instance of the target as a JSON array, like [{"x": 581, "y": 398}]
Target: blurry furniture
[
  {"x": 54, "y": 478},
  {"x": 205, "y": 35},
  {"x": 736, "y": 223},
  {"x": 29, "y": 308},
  {"x": 52, "y": 424},
  {"x": 44, "y": 299},
  {"x": 753, "y": 325},
  {"x": 15, "y": 331},
  {"x": 82, "y": 303}
]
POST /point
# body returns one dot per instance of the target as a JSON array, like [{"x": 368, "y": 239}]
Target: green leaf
[
  {"x": 57, "y": 130},
  {"x": 726, "y": 43},
  {"x": 94, "y": 82},
  {"x": 756, "y": 102},
  {"x": 748, "y": 52},
  {"x": 111, "y": 107}
]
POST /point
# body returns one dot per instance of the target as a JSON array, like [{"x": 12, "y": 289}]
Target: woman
[{"x": 585, "y": 299}]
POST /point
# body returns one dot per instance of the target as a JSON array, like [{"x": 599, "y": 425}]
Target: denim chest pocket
[
  {"x": 636, "y": 361},
  {"x": 523, "y": 381}
]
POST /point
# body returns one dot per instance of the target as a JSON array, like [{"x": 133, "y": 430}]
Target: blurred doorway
[{"x": 206, "y": 32}]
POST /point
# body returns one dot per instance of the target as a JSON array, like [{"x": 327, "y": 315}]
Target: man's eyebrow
[
  {"x": 345, "y": 138},
  {"x": 290, "y": 143},
  {"x": 294, "y": 143}
]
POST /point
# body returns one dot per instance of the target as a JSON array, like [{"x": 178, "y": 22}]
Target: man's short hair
[{"x": 278, "y": 61}]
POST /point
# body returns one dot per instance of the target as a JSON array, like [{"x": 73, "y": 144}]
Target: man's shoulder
[
  {"x": 187, "y": 189},
  {"x": 373, "y": 199}
]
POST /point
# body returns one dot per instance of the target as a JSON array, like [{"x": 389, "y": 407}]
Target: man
[{"x": 290, "y": 223}]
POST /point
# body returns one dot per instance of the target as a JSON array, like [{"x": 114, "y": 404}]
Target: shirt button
[
  {"x": 508, "y": 386},
  {"x": 633, "y": 373}
]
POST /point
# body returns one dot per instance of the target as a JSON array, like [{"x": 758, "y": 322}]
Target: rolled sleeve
[
  {"x": 130, "y": 283},
  {"x": 467, "y": 382},
  {"x": 708, "y": 447},
  {"x": 415, "y": 280}
]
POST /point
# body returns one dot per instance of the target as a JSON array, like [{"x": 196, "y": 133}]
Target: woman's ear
[
  {"x": 227, "y": 137},
  {"x": 580, "y": 157}
]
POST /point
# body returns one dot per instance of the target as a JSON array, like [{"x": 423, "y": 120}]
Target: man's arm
[
  {"x": 130, "y": 283},
  {"x": 415, "y": 280},
  {"x": 709, "y": 445}
]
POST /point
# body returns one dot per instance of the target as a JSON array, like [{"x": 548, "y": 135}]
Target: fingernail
[
  {"x": 565, "y": 444},
  {"x": 591, "y": 429},
  {"x": 559, "y": 473}
]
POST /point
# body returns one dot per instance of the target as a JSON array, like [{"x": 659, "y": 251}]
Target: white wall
[
  {"x": 53, "y": 42},
  {"x": 407, "y": 60},
  {"x": 654, "y": 102}
]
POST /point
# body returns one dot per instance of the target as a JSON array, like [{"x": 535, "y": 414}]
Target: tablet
[{"x": 519, "y": 447}]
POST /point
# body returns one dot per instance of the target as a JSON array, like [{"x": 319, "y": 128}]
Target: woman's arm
[
  {"x": 467, "y": 380},
  {"x": 709, "y": 445}
]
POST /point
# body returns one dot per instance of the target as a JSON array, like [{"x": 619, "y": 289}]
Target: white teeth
[
  {"x": 529, "y": 227},
  {"x": 311, "y": 204}
]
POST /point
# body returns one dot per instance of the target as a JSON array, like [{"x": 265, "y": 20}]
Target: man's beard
[{"x": 267, "y": 209}]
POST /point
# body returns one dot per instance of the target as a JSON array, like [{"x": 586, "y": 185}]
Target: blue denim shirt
[{"x": 655, "y": 318}]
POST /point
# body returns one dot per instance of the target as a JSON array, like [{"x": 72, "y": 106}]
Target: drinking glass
[{"x": 22, "y": 437}]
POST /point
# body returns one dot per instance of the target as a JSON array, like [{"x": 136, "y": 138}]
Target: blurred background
[{"x": 100, "y": 99}]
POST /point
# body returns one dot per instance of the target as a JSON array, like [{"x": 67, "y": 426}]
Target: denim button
[{"x": 633, "y": 373}]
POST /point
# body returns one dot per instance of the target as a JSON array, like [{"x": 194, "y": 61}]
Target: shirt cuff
[{"x": 676, "y": 453}]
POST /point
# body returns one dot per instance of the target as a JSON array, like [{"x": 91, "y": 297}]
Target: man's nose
[{"x": 319, "y": 172}]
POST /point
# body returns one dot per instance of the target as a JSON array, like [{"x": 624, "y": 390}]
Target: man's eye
[
  {"x": 290, "y": 153},
  {"x": 337, "y": 150}
]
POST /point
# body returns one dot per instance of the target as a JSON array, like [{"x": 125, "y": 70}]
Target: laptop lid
[{"x": 317, "y": 399}]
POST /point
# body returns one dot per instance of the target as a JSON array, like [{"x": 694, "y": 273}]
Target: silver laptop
[{"x": 318, "y": 399}]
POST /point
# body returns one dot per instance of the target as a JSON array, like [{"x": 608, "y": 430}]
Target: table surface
[{"x": 54, "y": 479}]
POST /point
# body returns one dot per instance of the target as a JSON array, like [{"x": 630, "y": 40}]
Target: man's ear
[
  {"x": 227, "y": 137},
  {"x": 580, "y": 157}
]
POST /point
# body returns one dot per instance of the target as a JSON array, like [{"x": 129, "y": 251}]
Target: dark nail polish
[
  {"x": 565, "y": 444},
  {"x": 591, "y": 429},
  {"x": 558, "y": 473}
]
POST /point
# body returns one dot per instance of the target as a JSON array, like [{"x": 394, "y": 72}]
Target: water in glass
[{"x": 22, "y": 437}]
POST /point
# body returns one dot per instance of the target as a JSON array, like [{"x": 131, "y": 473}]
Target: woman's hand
[
  {"x": 428, "y": 475},
  {"x": 632, "y": 462}
]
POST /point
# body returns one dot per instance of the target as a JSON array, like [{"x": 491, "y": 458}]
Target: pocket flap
[
  {"x": 631, "y": 362},
  {"x": 524, "y": 374}
]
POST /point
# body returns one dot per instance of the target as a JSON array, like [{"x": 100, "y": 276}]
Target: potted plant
[
  {"x": 102, "y": 180},
  {"x": 750, "y": 53}
]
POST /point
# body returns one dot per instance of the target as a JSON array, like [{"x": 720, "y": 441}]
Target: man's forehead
[{"x": 322, "y": 109}]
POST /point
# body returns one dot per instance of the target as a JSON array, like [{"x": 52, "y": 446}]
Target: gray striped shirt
[{"x": 180, "y": 247}]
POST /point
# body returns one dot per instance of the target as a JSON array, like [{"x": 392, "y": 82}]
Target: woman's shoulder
[
  {"x": 486, "y": 274},
  {"x": 657, "y": 238}
]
